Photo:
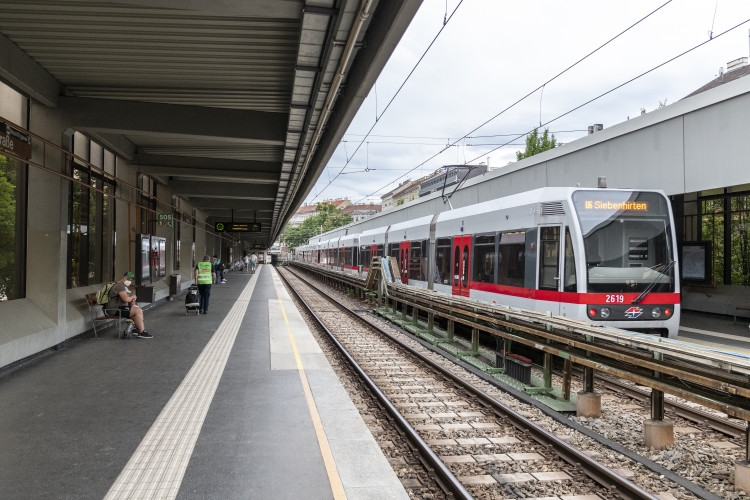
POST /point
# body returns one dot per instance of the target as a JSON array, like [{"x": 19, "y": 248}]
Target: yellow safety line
[{"x": 325, "y": 449}]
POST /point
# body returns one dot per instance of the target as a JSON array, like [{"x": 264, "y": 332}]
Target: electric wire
[
  {"x": 540, "y": 86},
  {"x": 445, "y": 23}
]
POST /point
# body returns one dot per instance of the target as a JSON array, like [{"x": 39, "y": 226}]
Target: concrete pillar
[
  {"x": 589, "y": 404},
  {"x": 658, "y": 434},
  {"x": 742, "y": 476}
]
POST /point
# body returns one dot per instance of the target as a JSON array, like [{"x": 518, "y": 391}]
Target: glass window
[
  {"x": 418, "y": 260},
  {"x": 379, "y": 252},
  {"x": 484, "y": 259},
  {"x": 627, "y": 240},
  {"x": 712, "y": 229},
  {"x": 570, "y": 264},
  {"x": 511, "y": 256},
  {"x": 12, "y": 196},
  {"x": 456, "y": 264},
  {"x": 465, "y": 266},
  {"x": 740, "y": 237},
  {"x": 442, "y": 261},
  {"x": 393, "y": 250}
]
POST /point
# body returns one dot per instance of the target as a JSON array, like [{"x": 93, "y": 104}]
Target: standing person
[
  {"x": 246, "y": 261},
  {"x": 120, "y": 298},
  {"x": 205, "y": 275},
  {"x": 220, "y": 271},
  {"x": 254, "y": 262}
]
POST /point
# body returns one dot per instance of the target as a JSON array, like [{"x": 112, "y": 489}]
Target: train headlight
[
  {"x": 605, "y": 312},
  {"x": 656, "y": 312}
]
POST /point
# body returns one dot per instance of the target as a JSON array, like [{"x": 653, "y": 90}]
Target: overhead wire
[
  {"x": 536, "y": 89},
  {"x": 445, "y": 23}
]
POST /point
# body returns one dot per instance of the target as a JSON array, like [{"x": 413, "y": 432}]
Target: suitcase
[{"x": 192, "y": 300}]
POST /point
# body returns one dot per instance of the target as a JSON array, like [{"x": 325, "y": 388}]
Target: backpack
[
  {"x": 102, "y": 296},
  {"x": 220, "y": 267}
]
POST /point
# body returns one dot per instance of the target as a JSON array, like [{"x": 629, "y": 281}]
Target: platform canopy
[{"x": 236, "y": 105}]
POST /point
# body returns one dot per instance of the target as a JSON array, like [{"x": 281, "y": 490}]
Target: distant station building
[
  {"x": 361, "y": 211},
  {"x": 452, "y": 175}
]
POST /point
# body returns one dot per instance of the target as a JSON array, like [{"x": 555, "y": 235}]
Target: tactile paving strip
[{"x": 156, "y": 469}]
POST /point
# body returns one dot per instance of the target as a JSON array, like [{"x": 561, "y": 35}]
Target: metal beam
[
  {"x": 22, "y": 72},
  {"x": 167, "y": 161},
  {"x": 214, "y": 174},
  {"x": 233, "y": 204},
  {"x": 123, "y": 117},
  {"x": 118, "y": 144},
  {"x": 267, "y": 9},
  {"x": 230, "y": 190}
]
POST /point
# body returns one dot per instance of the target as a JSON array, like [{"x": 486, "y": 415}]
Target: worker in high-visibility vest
[{"x": 205, "y": 275}]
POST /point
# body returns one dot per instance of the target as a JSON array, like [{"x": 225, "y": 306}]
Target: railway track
[{"x": 475, "y": 444}]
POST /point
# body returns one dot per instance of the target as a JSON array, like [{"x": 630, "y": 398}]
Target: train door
[
  {"x": 549, "y": 268},
  {"x": 461, "y": 265},
  {"x": 373, "y": 253},
  {"x": 403, "y": 261}
]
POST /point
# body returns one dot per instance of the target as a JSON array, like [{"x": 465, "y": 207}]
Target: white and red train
[{"x": 603, "y": 255}]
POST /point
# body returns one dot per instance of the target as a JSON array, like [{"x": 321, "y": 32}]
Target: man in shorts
[
  {"x": 120, "y": 298},
  {"x": 253, "y": 262}
]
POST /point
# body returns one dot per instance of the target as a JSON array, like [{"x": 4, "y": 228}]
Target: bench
[
  {"x": 739, "y": 308},
  {"x": 109, "y": 315}
]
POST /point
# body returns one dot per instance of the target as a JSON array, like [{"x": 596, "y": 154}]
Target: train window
[
  {"x": 465, "y": 266},
  {"x": 570, "y": 264},
  {"x": 484, "y": 259},
  {"x": 364, "y": 255},
  {"x": 379, "y": 252},
  {"x": 456, "y": 264},
  {"x": 549, "y": 258},
  {"x": 418, "y": 260},
  {"x": 336, "y": 257},
  {"x": 393, "y": 249},
  {"x": 511, "y": 256},
  {"x": 442, "y": 261}
]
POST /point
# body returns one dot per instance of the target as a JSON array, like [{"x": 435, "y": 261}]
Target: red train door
[
  {"x": 403, "y": 261},
  {"x": 373, "y": 253},
  {"x": 461, "y": 265}
]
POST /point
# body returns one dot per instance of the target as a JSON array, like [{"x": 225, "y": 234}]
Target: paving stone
[
  {"x": 428, "y": 427},
  {"x": 495, "y": 457},
  {"x": 470, "y": 414},
  {"x": 525, "y": 456},
  {"x": 687, "y": 430},
  {"x": 626, "y": 473},
  {"x": 505, "y": 440},
  {"x": 457, "y": 459},
  {"x": 443, "y": 415},
  {"x": 551, "y": 476},
  {"x": 441, "y": 442},
  {"x": 449, "y": 427},
  {"x": 723, "y": 445},
  {"x": 472, "y": 441},
  {"x": 411, "y": 483},
  {"x": 521, "y": 477},
  {"x": 416, "y": 416},
  {"x": 485, "y": 425},
  {"x": 472, "y": 480}
]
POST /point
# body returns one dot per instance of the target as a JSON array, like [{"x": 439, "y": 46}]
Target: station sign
[
  {"x": 15, "y": 141},
  {"x": 237, "y": 227},
  {"x": 165, "y": 220}
]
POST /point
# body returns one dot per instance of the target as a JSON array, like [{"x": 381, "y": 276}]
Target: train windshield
[{"x": 627, "y": 241}]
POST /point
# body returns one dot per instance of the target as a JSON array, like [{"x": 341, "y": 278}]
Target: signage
[
  {"x": 164, "y": 220},
  {"x": 15, "y": 141},
  {"x": 634, "y": 206},
  {"x": 237, "y": 227}
]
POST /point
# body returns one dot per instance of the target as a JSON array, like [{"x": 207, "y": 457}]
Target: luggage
[{"x": 192, "y": 300}]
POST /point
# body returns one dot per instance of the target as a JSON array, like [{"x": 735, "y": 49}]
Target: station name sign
[
  {"x": 15, "y": 141},
  {"x": 633, "y": 206},
  {"x": 237, "y": 227}
]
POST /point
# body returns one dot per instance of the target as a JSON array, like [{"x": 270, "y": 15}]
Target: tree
[
  {"x": 327, "y": 218},
  {"x": 7, "y": 224},
  {"x": 536, "y": 144}
]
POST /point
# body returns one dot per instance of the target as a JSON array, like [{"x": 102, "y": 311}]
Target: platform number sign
[{"x": 165, "y": 220}]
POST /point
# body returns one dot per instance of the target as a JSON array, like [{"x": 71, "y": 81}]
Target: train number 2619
[{"x": 615, "y": 299}]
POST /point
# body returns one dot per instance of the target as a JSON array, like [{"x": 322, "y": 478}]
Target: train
[{"x": 605, "y": 256}]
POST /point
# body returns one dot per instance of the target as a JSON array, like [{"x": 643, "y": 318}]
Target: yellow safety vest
[{"x": 204, "y": 273}]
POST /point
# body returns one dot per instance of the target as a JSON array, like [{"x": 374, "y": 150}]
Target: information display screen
[{"x": 237, "y": 227}]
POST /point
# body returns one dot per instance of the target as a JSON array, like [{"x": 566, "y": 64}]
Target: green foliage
[
  {"x": 7, "y": 224},
  {"x": 327, "y": 218},
  {"x": 536, "y": 144},
  {"x": 399, "y": 202}
]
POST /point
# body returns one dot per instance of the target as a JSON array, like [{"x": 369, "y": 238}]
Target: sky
[{"x": 492, "y": 53}]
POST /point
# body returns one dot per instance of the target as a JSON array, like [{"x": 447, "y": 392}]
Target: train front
[{"x": 632, "y": 281}]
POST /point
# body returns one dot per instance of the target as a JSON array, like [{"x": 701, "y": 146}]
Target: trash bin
[
  {"x": 174, "y": 284},
  {"x": 146, "y": 294}
]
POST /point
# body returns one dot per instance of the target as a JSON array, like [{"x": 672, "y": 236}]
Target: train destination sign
[
  {"x": 15, "y": 141},
  {"x": 635, "y": 206},
  {"x": 237, "y": 227}
]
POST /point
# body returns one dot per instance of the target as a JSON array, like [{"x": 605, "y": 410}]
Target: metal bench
[{"x": 109, "y": 315}]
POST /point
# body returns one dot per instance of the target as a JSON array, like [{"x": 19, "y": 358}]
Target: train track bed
[
  {"x": 418, "y": 482},
  {"x": 490, "y": 456},
  {"x": 701, "y": 453}
]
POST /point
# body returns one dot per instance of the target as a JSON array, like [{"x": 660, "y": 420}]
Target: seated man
[{"x": 120, "y": 298}]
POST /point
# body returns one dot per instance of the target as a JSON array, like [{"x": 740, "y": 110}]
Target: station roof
[{"x": 233, "y": 104}]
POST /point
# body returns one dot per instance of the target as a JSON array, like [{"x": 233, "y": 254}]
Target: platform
[{"x": 238, "y": 403}]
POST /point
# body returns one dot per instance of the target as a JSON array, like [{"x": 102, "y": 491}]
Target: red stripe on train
[{"x": 577, "y": 298}]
